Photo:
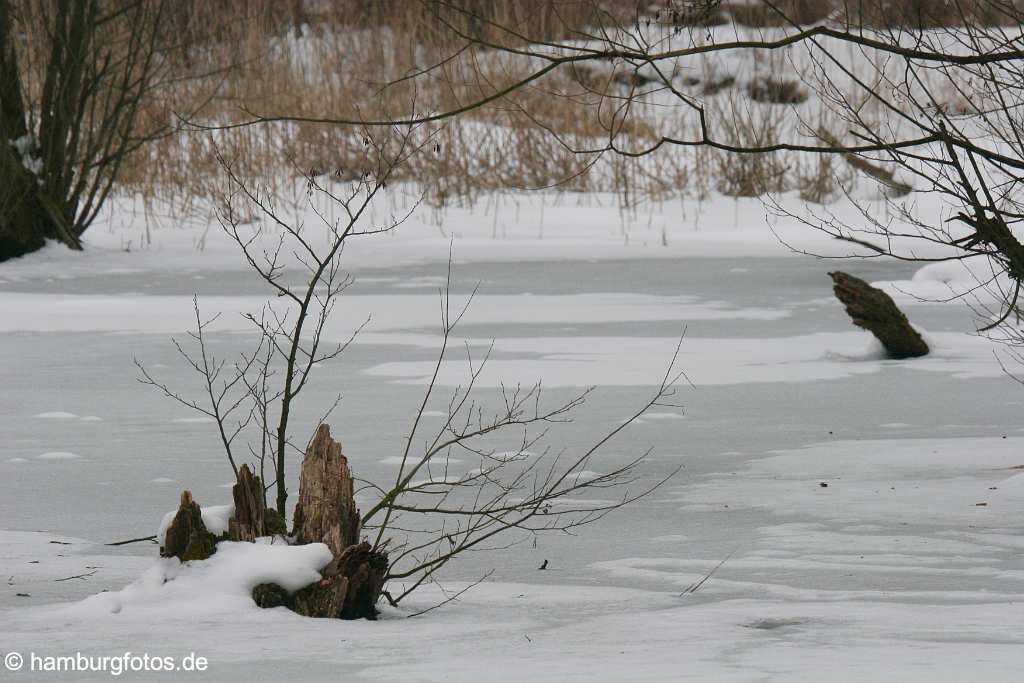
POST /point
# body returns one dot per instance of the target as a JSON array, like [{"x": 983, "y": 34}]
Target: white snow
[
  {"x": 58, "y": 455},
  {"x": 537, "y": 632},
  {"x": 219, "y": 586},
  {"x": 25, "y": 146},
  {"x": 654, "y": 415},
  {"x": 938, "y": 283},
  {"x": 589, "y": 226}
]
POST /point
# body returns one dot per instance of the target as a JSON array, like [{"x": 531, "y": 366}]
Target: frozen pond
[{"x": 822, "y": 473}]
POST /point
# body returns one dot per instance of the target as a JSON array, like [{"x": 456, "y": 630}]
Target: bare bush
[
  {"x": 430, "y": 513},
  {"x": 74, "y": 76},
  {"x": 290, "y": 329}
]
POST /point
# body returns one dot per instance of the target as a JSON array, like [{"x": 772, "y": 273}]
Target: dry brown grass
[
  {"x": 818, "y": 180},
  {"x": 339, "y": 67},
  {"x": 257, "y": 61},
  {"x": 888, "y": 14},
  {"x": 796, "y": 11},
  {"x": 922, "y": 14}
]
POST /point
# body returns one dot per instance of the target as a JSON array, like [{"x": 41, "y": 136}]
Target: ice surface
[
  {"x": 906, "y": 565},
  {"x": 877, "y": 481},
  {"x": 565, "y": 362}
]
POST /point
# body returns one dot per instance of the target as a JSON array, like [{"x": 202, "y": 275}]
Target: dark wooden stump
[
  {"x": 187, "y": 538},
  {"x": 326, "y": 513},
  {"x": 351, "y": 586},
  {"x": 269, "y": 595},
  {"x": 248, "y": 521},
  {"x": 873, "y": 310}
]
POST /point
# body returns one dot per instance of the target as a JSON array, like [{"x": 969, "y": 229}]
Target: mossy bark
[
  {"x": 29, "y": 215},
  {"x": 873, "y": 310},
  {"x": 187, "y": 538}
]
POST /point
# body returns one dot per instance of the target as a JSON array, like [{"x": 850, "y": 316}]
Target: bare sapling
[{"x": 429, "y": 514}]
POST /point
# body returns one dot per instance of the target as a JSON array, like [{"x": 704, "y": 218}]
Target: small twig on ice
[
  {"x": 454, "y": 597},
  {"x": 134, "y": 540},
  {"x": 78, "y": 576},
  {"x": 696, "y": 587}
]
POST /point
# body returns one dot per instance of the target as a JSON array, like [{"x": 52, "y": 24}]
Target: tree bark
[
  {"x": 17, "y": 236},
  {"x": 248, "y": 521},
  {"x": 187, "y": 538},
  {"x": 326, "y": 511},
  {"x": 873, "y": 310},
  {"x": 351, "y": 586},
  {"x": 28, "y": 214}
]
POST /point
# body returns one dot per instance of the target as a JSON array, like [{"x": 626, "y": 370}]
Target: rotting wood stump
[
  {"x": 351, "y": 586},
  {"x": 187, "y": 538},
  {"x": 326, "y": 513},
  {"x": 247, "y": 523},
  {"x": 873, "y": 310}
]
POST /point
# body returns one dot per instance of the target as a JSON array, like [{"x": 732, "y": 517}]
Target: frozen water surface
[{"x": 867, "y": 511}]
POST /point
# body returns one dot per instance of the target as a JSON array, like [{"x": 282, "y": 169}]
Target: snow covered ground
[{"x": 859, "y": 517}]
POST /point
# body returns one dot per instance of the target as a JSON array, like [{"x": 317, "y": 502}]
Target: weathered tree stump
[
  {"x": 187, "y": 538},
  {"x": 248, "y": 521},
  {"x": 351, "y": 586},
  {"x": 873, "y": 310},
  {"x": 326, "y": 513}
]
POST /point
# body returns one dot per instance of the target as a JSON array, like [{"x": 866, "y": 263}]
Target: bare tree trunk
[
  {"x": 876, "y": 312},
  {"x": 27, "y": 218}
]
